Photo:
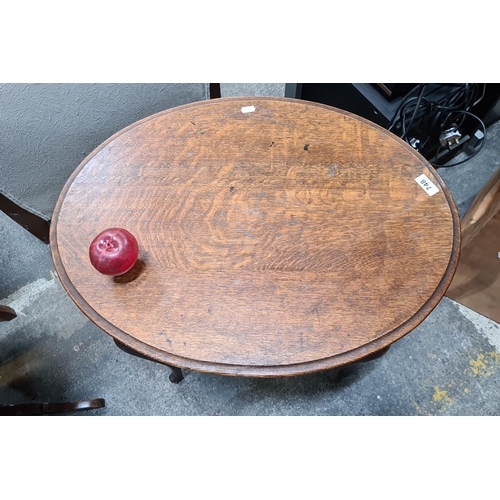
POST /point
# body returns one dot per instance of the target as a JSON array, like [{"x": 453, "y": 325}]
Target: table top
[{"x": 277, "y": 236}]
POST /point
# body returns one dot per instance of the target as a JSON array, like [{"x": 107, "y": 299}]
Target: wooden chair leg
[
  {"x": 50, "y": 408},
  {"x": 33, "y": 223},
  {"x": 7, "y": 313}
]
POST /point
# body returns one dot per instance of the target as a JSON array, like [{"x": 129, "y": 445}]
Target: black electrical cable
[
  {"x": 403, "y": 102},
  {"x": 429, "y": 110},
  {"x": 417, "y": 105},
  {"x": 481, "y": 145}
]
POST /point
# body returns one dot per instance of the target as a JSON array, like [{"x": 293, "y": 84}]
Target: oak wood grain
[{"x": 282, "y": 241}]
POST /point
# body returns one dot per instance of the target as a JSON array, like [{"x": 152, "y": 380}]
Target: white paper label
[
  {"x": 248, "y": 109},
  {"x": 425, "y": 183}
]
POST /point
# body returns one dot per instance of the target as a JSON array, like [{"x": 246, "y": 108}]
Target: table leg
[
  {"x": 336, "y": 374},
  {"x": 175, "y": 377},
  {"x": 375, "y": 355}
]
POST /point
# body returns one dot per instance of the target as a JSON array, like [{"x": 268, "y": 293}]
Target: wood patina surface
[{"x": 277, "y": 237}]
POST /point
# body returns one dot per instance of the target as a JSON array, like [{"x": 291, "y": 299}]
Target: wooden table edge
[{"x": 329, "y": 363}]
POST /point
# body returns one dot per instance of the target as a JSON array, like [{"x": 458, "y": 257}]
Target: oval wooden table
[{"x": 277, "y": 237}]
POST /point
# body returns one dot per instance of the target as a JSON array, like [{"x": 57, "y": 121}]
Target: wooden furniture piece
[
  {"x": 477, "y": 280},
  {"x": 32, "y": 409},
  {"x": 277, "y": 237},
  {"x": 48, "y": 128},
  {"x": 8, "y": 314}
]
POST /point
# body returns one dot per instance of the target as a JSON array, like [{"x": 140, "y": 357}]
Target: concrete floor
[{"x": 449, "y": 365}]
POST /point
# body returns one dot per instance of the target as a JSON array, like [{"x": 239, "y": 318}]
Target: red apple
[{"x": 114, "y": 251}]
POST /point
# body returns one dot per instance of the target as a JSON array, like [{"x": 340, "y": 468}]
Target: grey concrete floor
[{"x": 449, "y": 365}]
